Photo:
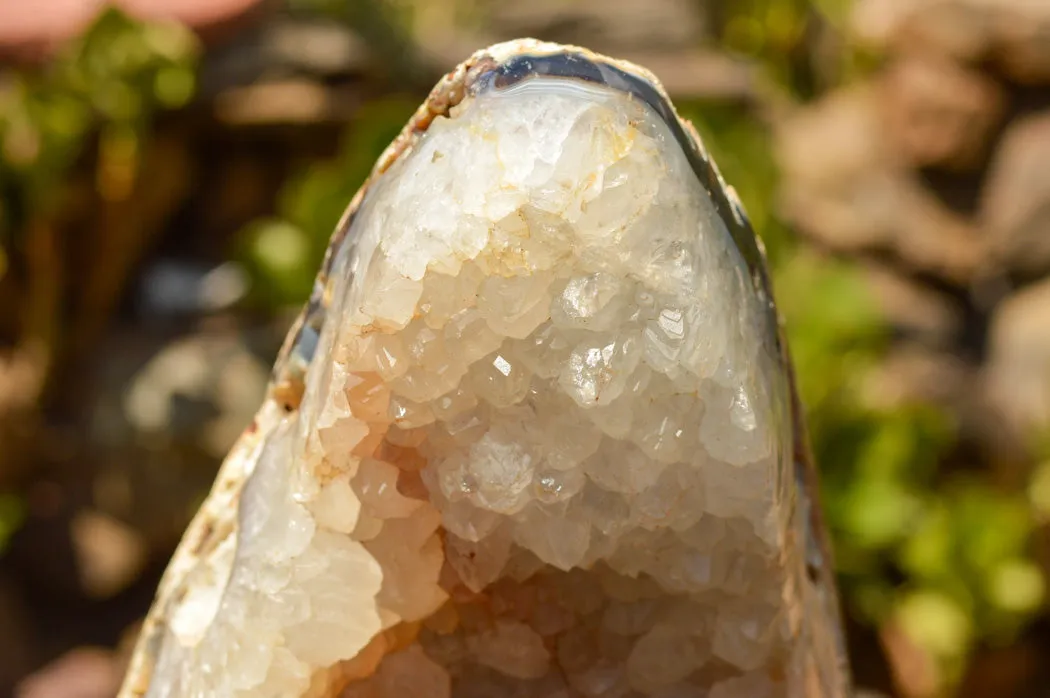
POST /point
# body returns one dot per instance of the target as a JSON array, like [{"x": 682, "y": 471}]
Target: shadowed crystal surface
[{"x": 545, "y": 446}]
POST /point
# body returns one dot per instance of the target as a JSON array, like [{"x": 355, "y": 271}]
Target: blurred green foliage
[
  {"x": 284, "y": 253},
  {"x": 801, "y": 44},
  {"x": 100, "y": 93},
  {"x": 108, "y": 83},
  {"x": 12, "y": 512}
]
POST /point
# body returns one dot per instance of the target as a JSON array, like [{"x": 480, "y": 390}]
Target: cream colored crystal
[{"x": 545, "y": 445}]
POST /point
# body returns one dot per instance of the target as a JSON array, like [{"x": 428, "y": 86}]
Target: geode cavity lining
[{"x": 546, "y": 440}]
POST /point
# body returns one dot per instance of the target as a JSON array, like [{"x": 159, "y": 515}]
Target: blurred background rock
[{"x": 169, "y": 178}]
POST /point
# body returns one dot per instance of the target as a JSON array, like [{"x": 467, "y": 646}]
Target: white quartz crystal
[{"x": 545, "y": 446}]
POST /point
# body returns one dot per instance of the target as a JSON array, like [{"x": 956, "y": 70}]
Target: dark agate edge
[
  {"x": 576, "y": 66},
  {"x": 568, "y": 65}
]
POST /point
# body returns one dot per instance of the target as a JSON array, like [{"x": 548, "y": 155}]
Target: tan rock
[
  {"x": 110, "y": 554},
  {"x": 1015, "y": 204},
  {"x": 1015, "y": 34},
  {"x": 847, "y": 187},
  {"x": 939, "y": 113},
  {"x": 81, "y": 673},
  {"x": 913, "y": 307},
  {"x": 1018, "y": 369}
]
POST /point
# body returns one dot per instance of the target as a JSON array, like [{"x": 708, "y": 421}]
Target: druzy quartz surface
[{"x": 545, "y": 446}]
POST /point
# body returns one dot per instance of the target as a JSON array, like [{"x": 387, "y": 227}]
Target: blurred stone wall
[{"x": 933, "y": 173}]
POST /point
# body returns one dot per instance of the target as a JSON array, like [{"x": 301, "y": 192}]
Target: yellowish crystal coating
[{"x": 545, "y": 448}]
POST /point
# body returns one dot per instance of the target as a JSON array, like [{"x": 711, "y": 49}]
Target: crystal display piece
[{"x": 535, "y": 433}]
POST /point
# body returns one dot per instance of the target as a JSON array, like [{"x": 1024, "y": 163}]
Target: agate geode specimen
[{"x": 534, "y": 434}]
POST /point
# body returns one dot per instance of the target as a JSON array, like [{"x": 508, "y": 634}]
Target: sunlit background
[{"x": 167, "y": 190}]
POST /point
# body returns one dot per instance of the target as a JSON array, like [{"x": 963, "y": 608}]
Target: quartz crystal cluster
[{"x": 545, "y": 445}]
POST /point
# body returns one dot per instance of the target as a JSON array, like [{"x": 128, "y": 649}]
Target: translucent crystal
[
  {"x": 743, "y": 637},
  {"x": 500, "y": 378},
  {"x": 755, "y": 685},
  {"x": 594, "y": 302},
  {"x": 513, "y": 649},
  {"x": 515, "y": 306},
  {"x": 411, "y": 672},
  {"x": 502, "y": 468},
  {"x": 598, "y": 369},
  {"x": 620, "y": 467},
  {"x": 558, "y": 540},
  {"x": 554, "y": 485},
  {"x": 478, "y": 563},
  {"x": 446, "y": 295},
  {"x": 663, "y": 656}
]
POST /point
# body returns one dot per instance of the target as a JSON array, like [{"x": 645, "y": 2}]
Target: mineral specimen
[{"x": 534, "y": 435}]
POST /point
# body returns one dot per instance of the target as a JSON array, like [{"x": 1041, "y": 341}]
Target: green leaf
[
  {"x": 936, "y": 622},
  {"x": 1016, "y": 586}
]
